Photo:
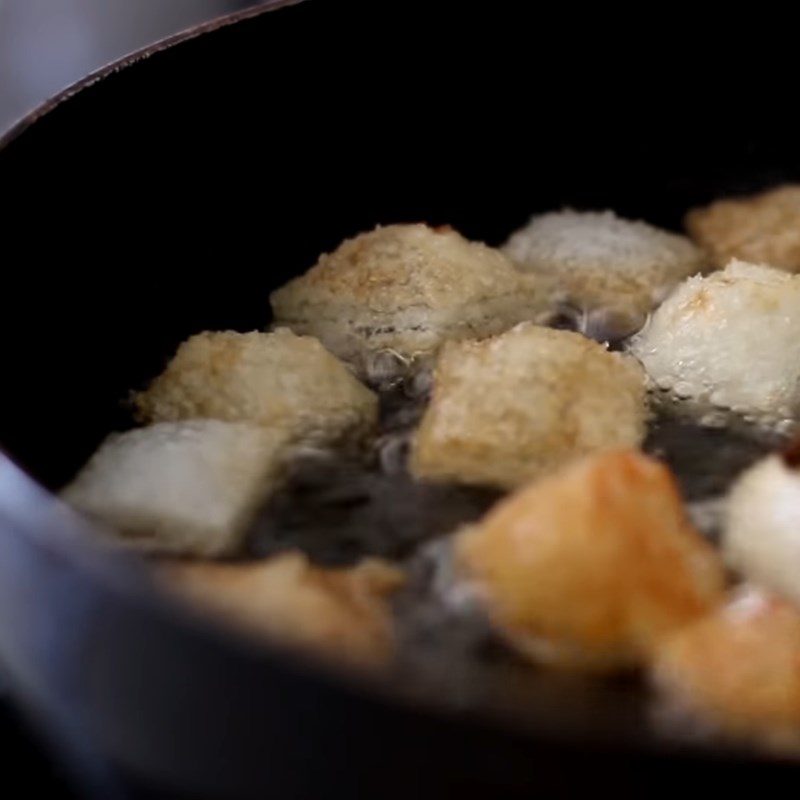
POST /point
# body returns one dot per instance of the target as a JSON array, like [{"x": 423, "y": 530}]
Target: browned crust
[
  {"x": 761, "y": 228},
  {"x": 591, "y": 567},
  {"x": 339, "y": 613}
]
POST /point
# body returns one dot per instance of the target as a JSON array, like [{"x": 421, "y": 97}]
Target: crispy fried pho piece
[
  {"x": 180, "y": 487},
  {"x": 279, "y": 380},
  {"x": 763, "y": 228},
  {"x": 406, "y": 289},
  {"x": 516, "y": 406},
  {"x": 341, "y": 613},
  {"x": 608, "y": 272},
  {"x": 729, "y": 341},
  {"x": 591, "y": 567},
  {"x": 761, "y": 532},
  {"x": 736, "y": 672}
]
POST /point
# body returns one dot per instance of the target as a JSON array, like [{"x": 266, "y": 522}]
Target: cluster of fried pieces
[{"x": 590, "y": 561}]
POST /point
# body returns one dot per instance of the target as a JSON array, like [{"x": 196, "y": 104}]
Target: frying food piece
[
  {"x": 762, "y": 525},
  {"x": 405, "y": 289},
  {"x": 591, "y": 567},
  {"x": 607, "y": 272},
  {"x": 340, "y": 613},
  {"x": 730, "y": 340},
  {"x": 513, "y": 407},
  {"x": 287, "y": 382},
  {"x": 736, "y": 671},
  {"x": 180, "y": 487},
  {"x": 763, "y": 228}
]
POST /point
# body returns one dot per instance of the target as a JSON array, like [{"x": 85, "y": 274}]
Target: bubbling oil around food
[{"x": 341, "y": 505}]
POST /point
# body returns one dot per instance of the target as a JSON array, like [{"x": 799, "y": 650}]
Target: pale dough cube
[
  {"x": 405, "y": 289},
  {"x": 341, "y": 614},
  {"x": 287, "y": 382},
  {"x": 730, "y": 340},
  {"x": 736, "y": 672},
  {"x": 513, "y": 407},
  {"x": 180, "y": 487},
  {"x": 589, "y": 568},
  {"x": 763, "y": 228},
  {"x": 761, "y": 535},
  {"x": 609, "y": 273}
]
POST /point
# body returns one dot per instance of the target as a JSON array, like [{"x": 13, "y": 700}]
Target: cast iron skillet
[{"x": 169, "y": 194}]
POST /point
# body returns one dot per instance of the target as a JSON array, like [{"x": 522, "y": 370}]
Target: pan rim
[{"x": 129, "y": 59}]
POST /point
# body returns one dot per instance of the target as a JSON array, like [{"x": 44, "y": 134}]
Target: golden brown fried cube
[
  {"x": 516, "y": 406},
  {"x": 591, "y": 567},
  {"x": 405, "y": 289},
  {"x": 610, "y": 272},
  {"x": 341, "y": 614},
  {"x": 737, "y": 671},
  {"x": 763, "y": 228},
  {"x": 279, "y": 380}
]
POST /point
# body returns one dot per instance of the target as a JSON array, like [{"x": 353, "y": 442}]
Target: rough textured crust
[
  {"x": 730, "y": 340},
  {"x": 180, "y": 487},
  {"x": 405, "y": 288},
  {"x": 761, "y": 536},
  {"x": 515, "y": 406},
  {"x": 339, "y": 613},
  {"x": 287, "y": 382},
  {"x": 590, "y": 567},
  {"x": 736, "y": 672},
  {"x": 763, "y": 228},
  {"x": 612, "y": 271}
]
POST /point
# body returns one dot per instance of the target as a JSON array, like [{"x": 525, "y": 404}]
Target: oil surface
[{"x": 340, "y": 506}]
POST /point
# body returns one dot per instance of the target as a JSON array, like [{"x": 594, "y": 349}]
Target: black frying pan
[{"x": 171, "y": 196}]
